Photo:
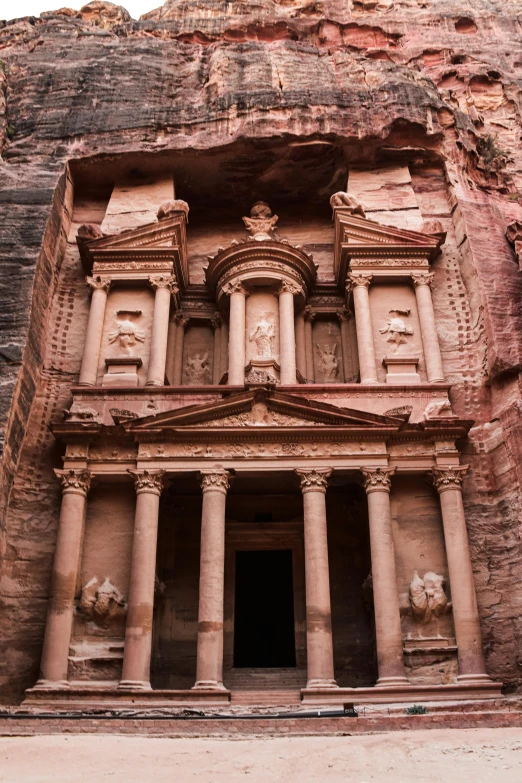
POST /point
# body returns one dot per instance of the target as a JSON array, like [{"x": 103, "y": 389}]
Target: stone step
[
  {"x": 265, "y": 679},
  {"x": 266, "y": 698}
]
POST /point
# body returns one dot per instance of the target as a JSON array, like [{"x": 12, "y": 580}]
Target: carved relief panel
[
  {"x": 396, "y": 332},
  {"x": 262, "y": 325},
  {"x": 327, "y": 351},
  {"x": 198, "y": 355}
]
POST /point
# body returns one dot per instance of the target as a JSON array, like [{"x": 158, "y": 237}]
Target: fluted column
[
  {"x": 309, "y": 344},
  {"x": 287, "y": 359},
  {"x": 209, "y": 671},
  {"x": 60, "y": 610},
  {"x": 345, "y": 317},
  {"x": 91, "y": 352},
  {"x": 360, "y": 284},
  {"x": 138, "y": 629},
  {"x": 319, "y": 644},
  {"x": 448, "y": 482},
  {"x": 181, "y": 323},
  {"x": 216, "y": 362},
  {"x": 164, "y": 286},
  {"x": 388, "y": 631},
  {"x": 300, "y": 344},
  {"x": 236, "y": 335},
  {"x": 430, "y": 339}
]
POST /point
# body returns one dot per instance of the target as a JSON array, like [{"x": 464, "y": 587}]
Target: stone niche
[
  {"x": 396, "y": 334},
  {"x": 327, "y": 351},
  {"x": 96, "y": 650},
  {"x": 198, "y": 354},
  {"x": 126, "y": 336},
  {"x": 262, "y": 325}
]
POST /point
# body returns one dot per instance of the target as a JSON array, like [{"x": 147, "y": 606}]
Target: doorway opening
[{"x": 264, "y": 633}]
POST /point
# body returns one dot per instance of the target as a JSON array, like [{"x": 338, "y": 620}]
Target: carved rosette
[
  {"x": 288, "y": 287},
  {"x": 235, "y": 287},
  {"x": 377, "y": 479},
  {"x": 214, "y": 481},
  {"x": 164, "y": 281},
  {"x": 147, "y": 481},
  {"x": 422, "y": 278},
  {"x": 358, "y": 279},
  {"x": 314, "y": 480},
  {"x": 77, "y": 482},
  {"x": 449, "y": 478},
  {"x": 99, "y": 283}
]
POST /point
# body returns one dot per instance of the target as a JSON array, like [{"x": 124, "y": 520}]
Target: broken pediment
[{"x": 261, "y": 408}]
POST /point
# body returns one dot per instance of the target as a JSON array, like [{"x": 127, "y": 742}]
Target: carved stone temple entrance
[{"x": 261, "y": 481}]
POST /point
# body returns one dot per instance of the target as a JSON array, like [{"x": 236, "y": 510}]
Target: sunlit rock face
[{"x": 413, "y": 108}]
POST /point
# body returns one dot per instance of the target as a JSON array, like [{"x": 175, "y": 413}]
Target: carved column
[
  {"x": 209, "y": 672},
  {"x": 171, "y": 350},
  {"x": 91, "y": 351},
  {"x": 430, "y": 339},
  {"x": 223, "y": 365},
  {"x": 216, "y": 362},
  {"x": 300, "y": 344},
  {"x": 448, "y": 482},
  {"x": 318, "y": 608},
  {"x": 164, "y": 287},
  {"x": 60, "y": 611},
  {"x": 345, "y": 317},
  {"x": 236, "y": 338},
  {"x": 287, "y": 333},
  {"x": 309, "y": 344},
  {"x": 181, "y": 324},
  {"x": 388, "y": 632},
  {"x": 138, "y": 629},
  {"x": 360, "y": 284}
]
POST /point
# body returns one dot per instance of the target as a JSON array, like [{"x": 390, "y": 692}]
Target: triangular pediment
[
  {"x": 363, "y": 232},
  {"x": 262, "y": 409}
]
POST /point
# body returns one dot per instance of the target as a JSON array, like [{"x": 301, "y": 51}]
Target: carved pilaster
[
  {"x": 449, "y": 478},
  {"x": 147, "y": 481},
  {"x": 215, "y": 481},
  {"x": 75, "y": 481},
  {"x": 377, "y": 479},
  {"x": 422, "y": 278},
  {"x": 314, "y": 480}
]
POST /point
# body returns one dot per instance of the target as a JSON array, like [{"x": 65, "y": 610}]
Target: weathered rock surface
[{"x": 435, "y": 84}]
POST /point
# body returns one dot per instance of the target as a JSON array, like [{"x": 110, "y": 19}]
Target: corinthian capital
[
  {"x": 99, "y": 283},
  {"x": 422, "y": 278},
  {"x": 377, "y": 479},
  {"x": 147, "y": 481},
  {"x": 236, "y": 287},
  {"x": 449, "y": 478},
  {"x": 344, "y": 316},
  {"x": 309, "y": 314},
  {"x": 76, "y": 481},
  {"x": 164, "y": 281},
  {"x": 314, "y": 480},
  {"x": 289, "y": 287},
  {"x": 215, "y": 480},
  {"x": 359, "y": 279}
]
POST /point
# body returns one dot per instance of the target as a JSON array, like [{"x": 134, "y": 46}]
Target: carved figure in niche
[
  {"x": 349, "y": 202},
  {"x": 261, "y": 221},
  {"x": 198, "y": 367},
  {"x": 435, "y": 409},
  {"x": 396, "y": 329},
  {"x": 329, "y": 361},
  {"x": 264, "y": 336},
  {"x": 102, "y": 603},
  {"x": 127, "y": 333},
  {"x": 427, "y": 597}
]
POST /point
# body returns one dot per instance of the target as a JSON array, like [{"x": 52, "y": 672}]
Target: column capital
[
  {"x": 237, "y": 287},
  {"x": 422, "y": 278},
  {"x": 449, "y": 478},
  {"x": 181, "y": 320},
  {"x": 359, "y": 279},
  {"x": 314, "y": 479},
  {"x": 99, "y": 283},
  {"x": 377, "y": 479},
  {"x": 216, "y": 322},
  {"x": 147, "y": 481},
  {"x": 289, "y": 287},
  {"x": 309, "y": 314},
  {"x": 344, "y": 316},
  {"x": 164, "y": 281},
  {"x": 75, "y": 481},
  {"x": 215, "y": 480}
]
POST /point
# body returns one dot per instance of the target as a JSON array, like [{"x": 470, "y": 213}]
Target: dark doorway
[{"x": 264, "y": 634}]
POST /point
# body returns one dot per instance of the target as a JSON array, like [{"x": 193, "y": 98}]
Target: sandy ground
[{"x": 452, "y": 756}]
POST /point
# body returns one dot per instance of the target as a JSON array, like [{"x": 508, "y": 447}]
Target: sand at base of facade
[{"x": 452, "y": 756}]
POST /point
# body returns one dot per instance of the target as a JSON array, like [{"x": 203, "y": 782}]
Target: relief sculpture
[
  {"x": 198, "y": 369},
  {"x": 427, "y": 597},
  {"x": 264, "y": 336},
  {"x": 102, "y": 603},
  {"x": 396, "y": 328},
  {"x": 329, "y": 361},
  {"x": 127, "y": 333}
]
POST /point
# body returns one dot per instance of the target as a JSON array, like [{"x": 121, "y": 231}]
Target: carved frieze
[{"x": 257, "y": 450}]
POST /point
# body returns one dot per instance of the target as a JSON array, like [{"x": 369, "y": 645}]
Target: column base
[
  {"x": 320, "y": 684},
  {"x": 393, "y": 682},
  {"x": 208, "y": 685},
  {"x": 369, "y": 381},
  {"x": 154, "y": 383},
  {"x": 134, "y": 685},
  {"x": 436, "y": 380},
  {"x": 51, "y": 685},
  {"x": 473, "y": 679}
]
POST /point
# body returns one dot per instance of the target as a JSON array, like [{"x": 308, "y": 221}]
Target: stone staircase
[{"x": 266, "y": 687}]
